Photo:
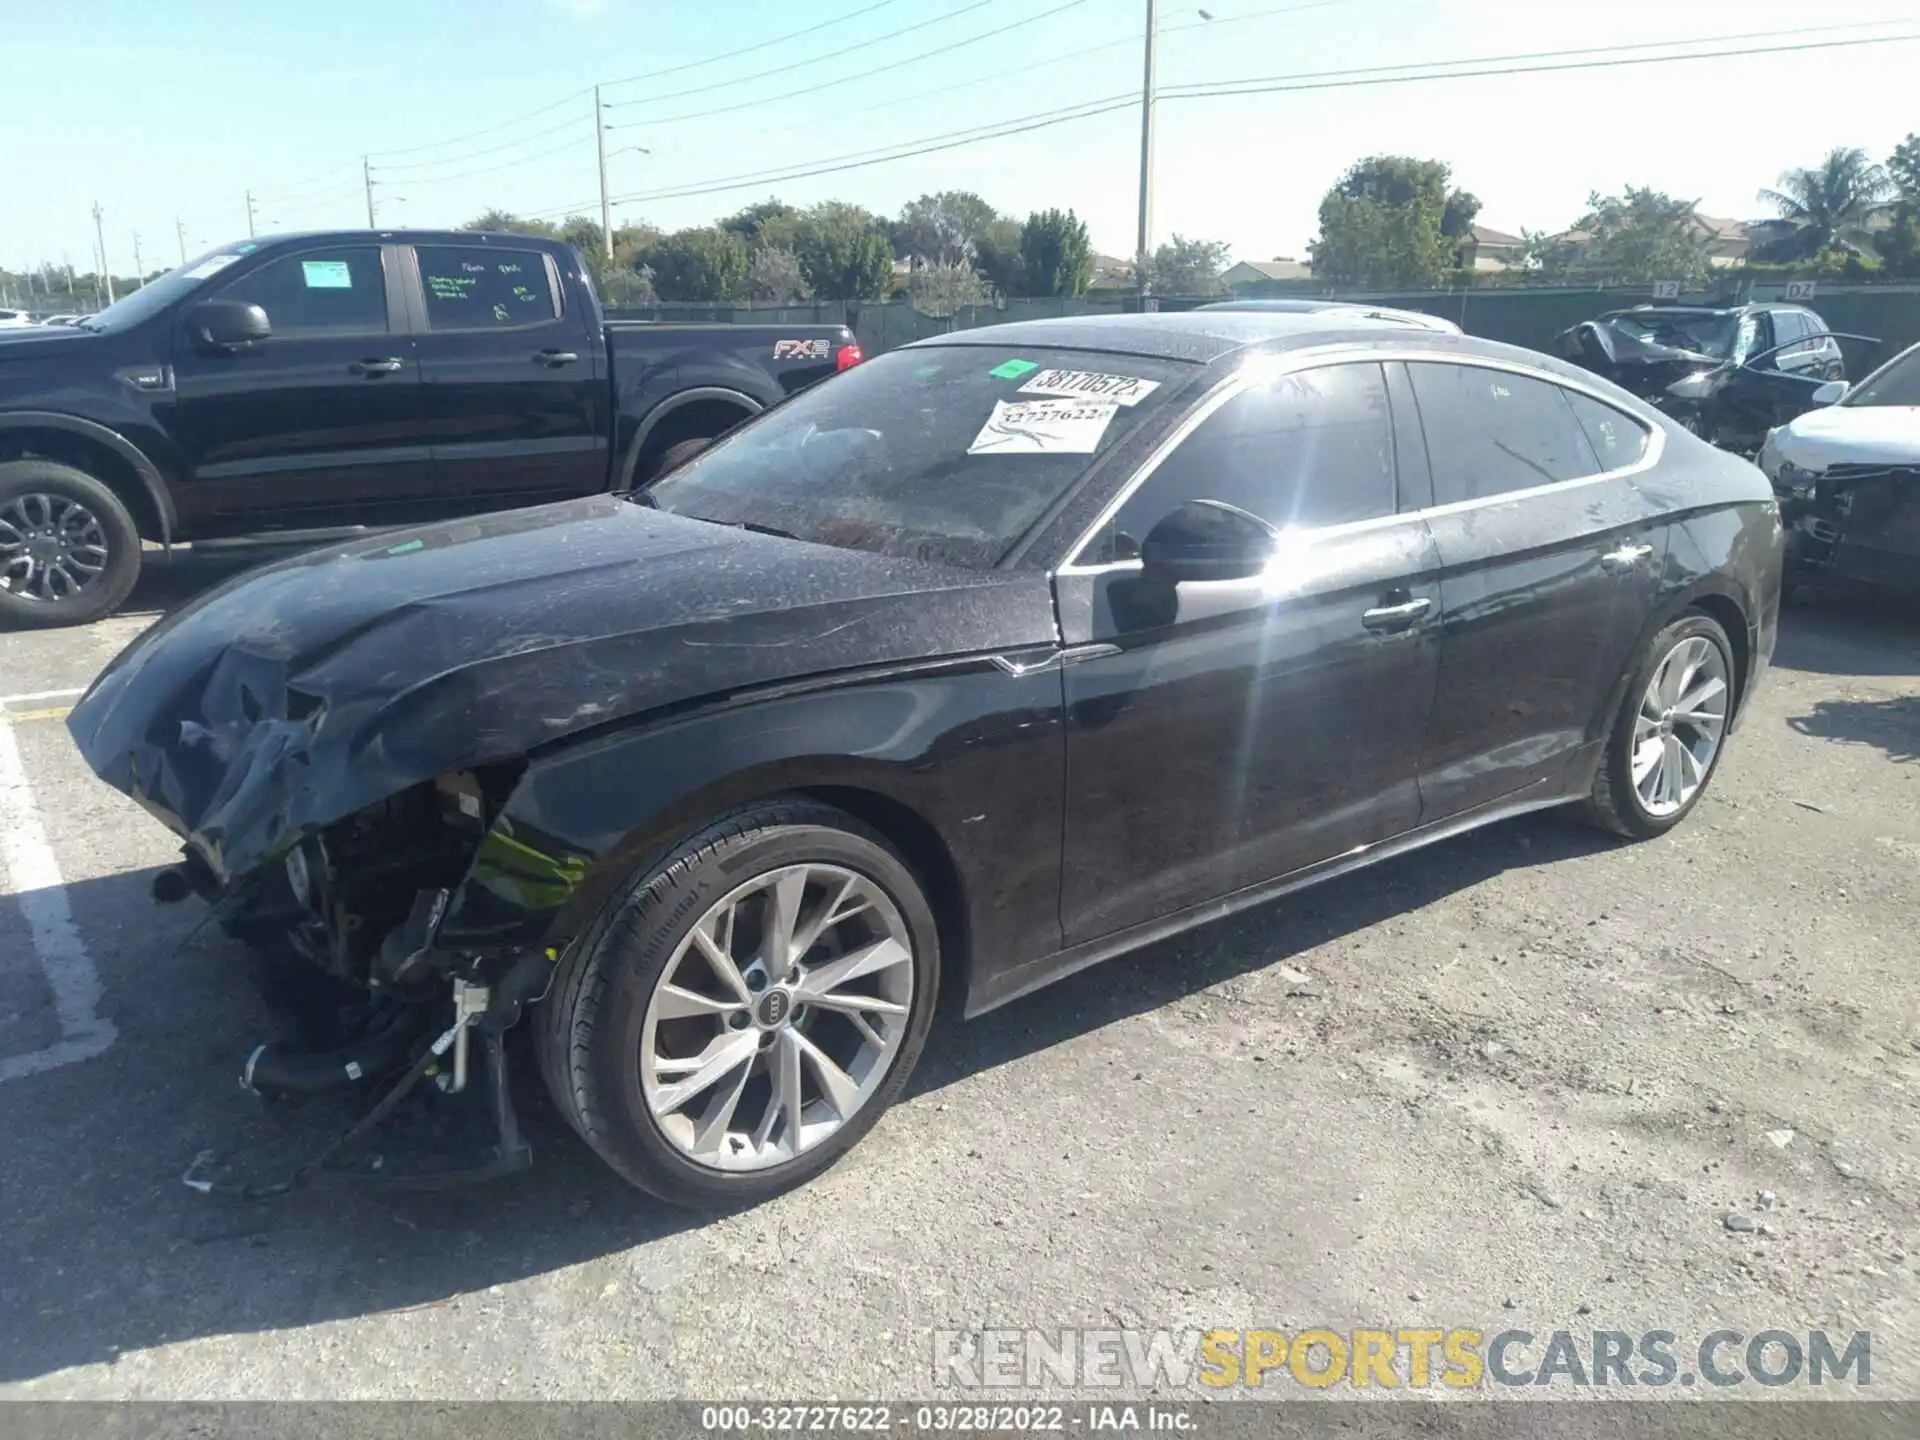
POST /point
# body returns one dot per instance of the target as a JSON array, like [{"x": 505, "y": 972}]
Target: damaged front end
[
  {"x": 1681, "y": 381},
  {"x": 346, "y": 930},
  {"x": 1858, "y": 523}
]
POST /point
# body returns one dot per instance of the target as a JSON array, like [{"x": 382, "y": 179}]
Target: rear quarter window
[{"x": 1617, "y": 438}]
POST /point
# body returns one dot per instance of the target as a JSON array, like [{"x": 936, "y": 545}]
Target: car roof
[
  {"x": 1679, "y": 310},
  {"x": 1307, "y": 305},
  {"x": 1200, "y": 336},
  {"x": 398, "y": 237}
]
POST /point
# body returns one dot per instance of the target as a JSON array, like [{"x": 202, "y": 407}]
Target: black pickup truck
[{"x": 358, "y": 378}]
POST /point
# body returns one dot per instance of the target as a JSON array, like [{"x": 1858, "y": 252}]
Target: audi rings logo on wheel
[{"x": 775, "y": 1005}]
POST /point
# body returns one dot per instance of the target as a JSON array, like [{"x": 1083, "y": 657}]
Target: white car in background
[
  {"x": 15, "y": 320},
  {"x": 1848, "y": 480}
]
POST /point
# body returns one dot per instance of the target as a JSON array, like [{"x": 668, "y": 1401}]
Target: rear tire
[
  {"x": 678, "y": 455},
  {"x": 639, "y": 994},
  {"x": 69, "y": 551},
  {"x": 1651, "y": 731}
]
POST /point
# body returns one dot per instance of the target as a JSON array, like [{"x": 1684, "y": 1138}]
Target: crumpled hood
[
  {"x": 299, "y": 693},
  {"x": 1851, "y": 435},
  {"x": 1642, "y": 366}
]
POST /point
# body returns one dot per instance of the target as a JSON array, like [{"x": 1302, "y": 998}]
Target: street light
[{"x": 1146, "y": 151}]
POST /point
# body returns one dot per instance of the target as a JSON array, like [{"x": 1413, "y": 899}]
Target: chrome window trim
[{"x": 1320, "y": 357}]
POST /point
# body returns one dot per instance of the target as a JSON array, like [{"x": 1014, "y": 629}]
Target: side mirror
[
  {"x": 1831, "y": 393},
  {"x": 227, "y": 325},
  {"x": 1206, "y": 540}
]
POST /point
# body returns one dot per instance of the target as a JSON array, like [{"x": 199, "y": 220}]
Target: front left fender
[{"x": 976, "y": 753}]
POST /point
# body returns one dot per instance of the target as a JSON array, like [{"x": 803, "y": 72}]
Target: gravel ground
[{"x": 1529, "y": 1078}]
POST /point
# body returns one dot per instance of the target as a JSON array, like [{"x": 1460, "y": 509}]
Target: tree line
[
  {"x": 943, "y": 252},
  {"x": 1391, "y": 222},
  {"x": 1397, "y": 222}
]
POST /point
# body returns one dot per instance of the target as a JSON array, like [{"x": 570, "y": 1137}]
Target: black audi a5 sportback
[{"x": 994, "y": 657}]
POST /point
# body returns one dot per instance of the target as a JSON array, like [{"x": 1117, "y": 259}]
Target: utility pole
[
  {"x": 366, "y": 174},
  {"x": 180, "y": 229},
  {"x": 600, "y": 148},
  {"x": 139, "y": 267},
  {"x": 1146, "y": 163},
  {"x": 100, "y": 234},
  {"x": 249, "y": 214}
]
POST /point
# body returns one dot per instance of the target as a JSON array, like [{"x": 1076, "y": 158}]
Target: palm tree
[{"x": 1831, "y": 204}]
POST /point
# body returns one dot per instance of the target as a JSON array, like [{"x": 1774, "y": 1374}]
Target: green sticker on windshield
[
  {"x": 1013, "y": 369},
  {"x": 407, "y": 547}
]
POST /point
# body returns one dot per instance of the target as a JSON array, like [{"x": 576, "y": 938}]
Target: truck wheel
[
  {"x": 69, "y": 551},
  {"x": 678, "y": 455},
  {"x": 743, "y": 1012}
]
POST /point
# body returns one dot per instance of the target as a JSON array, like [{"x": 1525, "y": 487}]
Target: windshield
[
  {"x": 1895, "y": 383},
  {"x": 157, "y": 295},
  {"x": 945, "y": 454},
  {"x": 1704, "y": 334}
]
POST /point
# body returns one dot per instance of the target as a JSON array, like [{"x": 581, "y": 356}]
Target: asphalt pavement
[{"x": 1530, "y": 1078}]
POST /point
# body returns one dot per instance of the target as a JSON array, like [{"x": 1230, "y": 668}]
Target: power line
[
  {"x": 938, "y": 54},
  {"x": 815, "y": 60},
  {"x": 1599, "y": 58},
  {"x": 573, "y": 144},
  {"x": 489, "y": 130},
  {"x": 750, "y": 49},
  {"x": 313, "y": 202},
  {"x": 1209, "y": 87},
  {"x": 496, "y": 128},
  {"x": 321, "y": 178},
  {"x": 567, "y": 124},
  {"x": 928, "y": 146},
  {"x": 1132, "y": 41}
]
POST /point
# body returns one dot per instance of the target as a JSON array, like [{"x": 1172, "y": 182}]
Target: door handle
[
  {"x": 374, "y": 369},
  {"x": 553, "y": 359},
  {"x": 1627, "y": 557},
  {"x": 1388, "y": 618}
]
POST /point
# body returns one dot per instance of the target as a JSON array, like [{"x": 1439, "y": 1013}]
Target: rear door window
[
  {"x": 341, "y": 291},
  {"x": 1308, "y": 449},
  {"x": 1491, "y": 432},
  {"x": 485, "y": 287}
]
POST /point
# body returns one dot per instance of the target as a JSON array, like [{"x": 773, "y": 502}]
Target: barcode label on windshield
[{"x": 1090, "y": 385}]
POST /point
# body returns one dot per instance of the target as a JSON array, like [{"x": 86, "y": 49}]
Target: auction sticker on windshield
[
  {"x": 1043, "y": 427},
  {"x": 1090, "y": 385}
]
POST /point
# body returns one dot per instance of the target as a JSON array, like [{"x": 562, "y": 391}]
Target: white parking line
[
  {"x": 32, "y": 876},
  {"x": 6, "y": 700}
]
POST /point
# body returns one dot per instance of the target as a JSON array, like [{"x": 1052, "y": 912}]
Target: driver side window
[
  {"x": 1756, "y": 337},
  {"x": 1308, "y": 449},
  {"x": 323, "y": 292}
]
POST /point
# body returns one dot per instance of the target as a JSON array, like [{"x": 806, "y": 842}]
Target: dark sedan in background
[{"x": 995, "y": 657}]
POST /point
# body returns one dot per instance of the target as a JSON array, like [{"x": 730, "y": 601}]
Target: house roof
[
  {"x": 1722, "y": 229},
  {"x": 1487, "y": 235},
  {"x": 1281, "y": 267}
]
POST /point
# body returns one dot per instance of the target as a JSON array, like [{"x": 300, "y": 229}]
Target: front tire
[
  {"x": 743, "y": 1013},
  {"x": 69, "y": 551},
  {"x": 1667, "y": 740}
]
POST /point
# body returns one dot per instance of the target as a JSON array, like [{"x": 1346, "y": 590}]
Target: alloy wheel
[
  {"x": 777, "y": 1017},
  {"x": 52, "y": 548},
  {"x": 1680, "y": 724}
]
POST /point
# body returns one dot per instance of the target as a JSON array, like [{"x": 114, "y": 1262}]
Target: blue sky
[{"x": 165, "y": 112}]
